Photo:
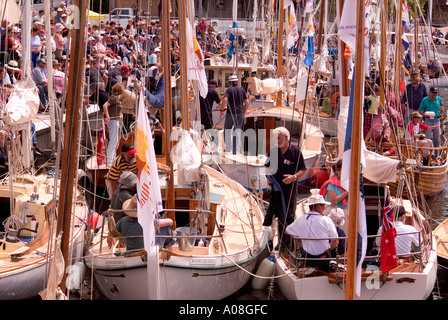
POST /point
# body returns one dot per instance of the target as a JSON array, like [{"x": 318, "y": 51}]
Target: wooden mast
[
  {"x": 344, "y": 85},
  {"x": 383, "y": 54},
  {"x": 168, "y": 106},
  {"x": 415, "y": 37},
  {"x": 71, "y": 131},
  {"x": 355, "y": 171},
  {"x": 398, "y": 56},
  {"x": 321, "y": 23},
  {"x": 184, "y": 66},
  {"x": 281, "y": 10}
]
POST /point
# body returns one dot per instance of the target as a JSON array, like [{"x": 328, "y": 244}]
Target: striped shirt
[{"x": 119, "y": 166}]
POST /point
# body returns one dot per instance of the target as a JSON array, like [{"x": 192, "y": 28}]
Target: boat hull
[
  {"x": 403, "y": 286},
  {"x": 176, "y": 283}
]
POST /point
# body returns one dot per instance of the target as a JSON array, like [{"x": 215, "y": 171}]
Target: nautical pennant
[
  {"x": 148, "y": 193},
  {"x": 195, "y": 61}
]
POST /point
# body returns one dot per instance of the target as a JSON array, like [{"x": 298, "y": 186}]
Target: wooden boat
[
  {"x": 25, "y": 253},
  {"x": 234, "y": 241},
  {"x": 412, "y": 279},
  {"x": 248, "y": 169},
  {"x": 441, "y": 236},
  {"x": 427, "y": 179}
]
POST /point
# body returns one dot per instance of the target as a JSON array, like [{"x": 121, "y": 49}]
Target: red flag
[
  {"x": 388, "y": 233},
  {"x": 402, "y": 86},
  {"x": 99, "y": 147},
  {"x": 348, "y": 51}
]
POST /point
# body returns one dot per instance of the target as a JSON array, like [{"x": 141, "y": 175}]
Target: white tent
[{"x": 10, "y": 11}]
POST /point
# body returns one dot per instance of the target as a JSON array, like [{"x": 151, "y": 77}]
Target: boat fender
[
  {"x": 92, "y": 220},
  {"x": 75, "y": 276},
  {"x": 33, "y": 225},
  {"x": 334, "y": 100},
  {"x": 265, "y": 270}
]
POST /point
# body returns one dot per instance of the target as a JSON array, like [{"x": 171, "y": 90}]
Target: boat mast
[
  {"x": 383, "y": 54},
  {"x": 344, "y": 86},
  {"x": 415, "y": 37},
  {"x": 71, "y": 130},
  {"x": 355, "y": 171},
  {"x": 281, "y": 10},
  {"x": 398, "y": 56},
  {"x": 168, "y": 108},
  {"x": 183, "y": 65}
]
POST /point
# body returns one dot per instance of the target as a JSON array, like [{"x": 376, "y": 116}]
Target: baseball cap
[
  {"x": 125, "y": 68},
  {"x": 433, "y": 89},
  {"x": 129, "y": 148}
]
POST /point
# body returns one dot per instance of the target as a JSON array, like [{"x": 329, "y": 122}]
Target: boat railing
[
  {"x": 220, "y": 226},
  {"x": 415, "y": 255}
]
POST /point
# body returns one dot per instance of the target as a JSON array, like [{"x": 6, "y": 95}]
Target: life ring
[{"x": 334, "y": 100}]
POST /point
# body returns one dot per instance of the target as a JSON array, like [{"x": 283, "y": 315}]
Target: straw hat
[
  {"x": 130, "y": 207},
  {"x": 338, "y": 216},
  {"x": 316, "y": 198},
  {"x": 13, "y": 65},
  {"x": 233, "y": 78},
  {"x": 416, "y": 114}
]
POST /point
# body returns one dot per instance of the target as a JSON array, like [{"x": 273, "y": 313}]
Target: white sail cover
[
  {"x": 266, "y": 86},
  {"x": 379, "y": 169},
  {"x": 188, "y": 159},
  {"x": 23, "y": 103}
]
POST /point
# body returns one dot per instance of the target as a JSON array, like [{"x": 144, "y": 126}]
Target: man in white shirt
[
  {"x": 406, "y": 235},
  {"x": 317, "y": 233},
  {"x": 40, "y": 79}
]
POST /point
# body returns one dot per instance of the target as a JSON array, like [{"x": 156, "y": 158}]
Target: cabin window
[{"x": 4, "y": 212}]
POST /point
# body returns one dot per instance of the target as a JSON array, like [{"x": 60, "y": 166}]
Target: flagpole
[
  {"x": 398, "y": 57},
  {"x": 355, "y": 171},
  {"x": 168, "y": 106},
  {"x": 383, "y": 53},
  {"x": 281, "y": 10},
  {"x": 184, "y": 64}
]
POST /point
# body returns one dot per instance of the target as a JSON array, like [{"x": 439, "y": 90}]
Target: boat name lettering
[
  {"x": 209, "y": 261},
  {"x": 115, "y": 262}
]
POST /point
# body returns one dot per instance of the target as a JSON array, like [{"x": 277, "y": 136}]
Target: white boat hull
[
  {"x": 328, "y": 125},
  {"x": 176, "y": 283},
  {"x": 26, "y": 282},
  {"x": 412, "y": 286}
]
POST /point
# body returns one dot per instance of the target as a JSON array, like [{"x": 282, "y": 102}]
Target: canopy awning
[{"x": 10, "y": 11}]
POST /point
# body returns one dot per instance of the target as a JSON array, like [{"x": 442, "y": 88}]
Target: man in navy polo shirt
[{"x": 287, "y": 166}]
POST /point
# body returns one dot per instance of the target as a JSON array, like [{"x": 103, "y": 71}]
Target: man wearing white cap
[{"x": 316, "y": 233}]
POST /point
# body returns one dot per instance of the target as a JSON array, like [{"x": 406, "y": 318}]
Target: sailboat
[
  {"x": 29, "y": 202},
  {"x": 247, "y": 166},
  {"x": 414, "y": 275},
  {"x": 441, "y": 236},
  {"x": 219, "y": 233}
]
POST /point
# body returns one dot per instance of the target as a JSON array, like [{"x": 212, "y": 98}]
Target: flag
[
  {"x": 148, "y": 194},
  {"x": 345, "y": 182},
  {"x": 232, "y": 39},
  {"x": 405, "y": 41},
  {"x": 293, "y": 33},
  {"x": 100, "y": 145},
  {"x": 195, "y": 61},
  {"x": 310, "y": 52},
  {"x": 347, "y": 29},
  {"x": 348, "y": 51},
  {"x": 404, "y": 13},
  {"x": 388, "y": 233}
]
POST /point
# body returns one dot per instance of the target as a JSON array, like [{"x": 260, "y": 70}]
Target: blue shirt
[{"x": 431, "y": 105}]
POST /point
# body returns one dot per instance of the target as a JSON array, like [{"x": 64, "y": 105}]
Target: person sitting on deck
[
  {"x": 407, "y": 235},
  {"x": 317, "y": 232},
  {"x": 415, "y": 136},
  {"x": 126, "y": 161}
]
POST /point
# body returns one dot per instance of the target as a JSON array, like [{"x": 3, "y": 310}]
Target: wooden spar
[
  {"x": 352, "y": 236},
  {"x": 281, "y": 11},
  {"x": 416, "y": 37},
  {"x": 344, "y": 86},
  {"x": 321, "y": 23},
  {"x": 168, "y": 106},
  {"x": 71, "y": 132},
  {"x": 383, "y": 54},
  {"x": 398, "y": 56},
  {"x": 183, "y": 66}
]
